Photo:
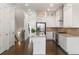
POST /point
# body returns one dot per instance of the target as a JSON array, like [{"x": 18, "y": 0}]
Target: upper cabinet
[
  {"x": 75, "y": 15},
  {"x": 59, "y": 20},
  {"x": 67, "y": 15},
  {"x": 50, "y": 21},
  {"x": 71, "y": 15},
  {"x": 47, "y": 17}
]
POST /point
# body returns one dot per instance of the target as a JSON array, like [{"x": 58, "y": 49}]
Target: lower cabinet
[
  {"x": 72, "y": 45},
  {"x": 69, "y": 43},
  {"x": 1, "y": 44},
  {"x": 62, "y": 41},
  {"x": 4, "y": 42},
  {"x": 51, "y": 36},
  {"x": 11, "y": 39}
]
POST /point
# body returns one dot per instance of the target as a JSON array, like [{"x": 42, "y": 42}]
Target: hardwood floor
[
  {"x": 23, "y": 49},
  {"x": 53, "y": 49}
]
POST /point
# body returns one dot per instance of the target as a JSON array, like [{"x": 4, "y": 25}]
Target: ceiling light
[
  {"x": 51, "y": 5},
  {"x": 29, "y": 9},
  {"x": 48, "y": 9},
  {"x": 26, "y": 4}
]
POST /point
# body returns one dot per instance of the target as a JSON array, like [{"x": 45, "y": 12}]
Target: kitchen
[{"x": 61, "y": 25}]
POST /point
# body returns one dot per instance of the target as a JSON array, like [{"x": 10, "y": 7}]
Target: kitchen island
[{"x": 39, "y": 44}]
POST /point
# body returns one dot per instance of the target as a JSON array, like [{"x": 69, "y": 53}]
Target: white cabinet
[
  {"x": 7, "y": 27},
  {"x": 59, "y": 18},
  {"x": 69, "y": 43},
  {"x": 11, "y": 26},
  {"x": 62, "y": 41},
  {"x": 50, "y": 21},
  {"x": 70, "y": 15},
  {"x": 75, "y": 17},
  {"x": 72, "y": 45},
  {"x": 2, "y": 43},
  {"x": 1, "y": 49},
  {"x": 51, "y": 36},
  {"x": 67, "y": 15},
  {"x": 39, "y": 45}
]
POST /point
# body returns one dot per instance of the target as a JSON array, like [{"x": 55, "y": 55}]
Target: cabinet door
[
  {"x": 59, "y": 18},
  {"x": 64, "y": 42},
  {"x": 7, "y": 26},
  {"x": 67, "y": 16},
  {"x": 11, "y": 26},
  {"x": 3, "y": 30},
  {"x": 75, "y": 15},
  {"x": 60, "y": 41},
  {"x": 1, "y": 44},
  {"x": 50, "y": 21},
  {"x": 4, "y": 41},
  {"x": 57, "y": 21},
  {"x": 72, "y": 45}
]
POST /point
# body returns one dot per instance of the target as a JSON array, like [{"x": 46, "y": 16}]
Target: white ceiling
[
  {"x": 38, "y": 6},
  {"x": 43, "y": 6}
]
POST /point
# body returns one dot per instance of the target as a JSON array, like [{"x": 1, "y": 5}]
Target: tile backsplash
[{"x": 71, "y": 31}]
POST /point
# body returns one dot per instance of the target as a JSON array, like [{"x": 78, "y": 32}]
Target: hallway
[{"x": 51, "y": 49}]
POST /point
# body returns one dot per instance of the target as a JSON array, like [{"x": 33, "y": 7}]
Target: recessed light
[
  {"x": 48, "y": 9},
  {"x": 26, "y": 4},
  {"x": 29, "y": 9},
  {"x": 51, "y": 5}
]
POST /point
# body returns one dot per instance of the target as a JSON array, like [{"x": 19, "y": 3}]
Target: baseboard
[
  {"x": 7, "y": 49},
  {"x": 62, "y": 49},
  {"x": 3, "y": 52}
]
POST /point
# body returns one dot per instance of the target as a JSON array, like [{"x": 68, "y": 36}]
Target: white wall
[
  {"x": 19, "y": 21},
  {"x": 19, "y": 18}
]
